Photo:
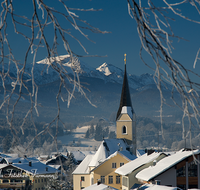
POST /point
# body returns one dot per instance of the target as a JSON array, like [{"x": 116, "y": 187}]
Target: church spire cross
[{"x": 125, "y": 58}]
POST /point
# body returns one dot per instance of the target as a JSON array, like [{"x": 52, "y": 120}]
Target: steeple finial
[{"x": 125, "y": 58}]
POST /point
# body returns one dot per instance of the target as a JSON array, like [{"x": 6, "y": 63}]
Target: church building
[
  {"x": 126, "y": 119},
  {"x": 112, "y": 153}
]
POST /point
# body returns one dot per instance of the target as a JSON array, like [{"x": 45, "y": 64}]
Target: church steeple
[
  {"x": 126, "y": 119},
  {"x": 125, "y": 94}
]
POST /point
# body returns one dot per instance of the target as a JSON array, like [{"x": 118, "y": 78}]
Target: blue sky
[{"x": 123, "y": 37}]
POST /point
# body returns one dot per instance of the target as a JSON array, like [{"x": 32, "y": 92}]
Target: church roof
[
  {"x": 125, "y": 96},
  {"x": 107, "y": 148}
]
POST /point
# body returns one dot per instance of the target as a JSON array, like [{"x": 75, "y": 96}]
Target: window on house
[
  {"x": 36, "y": 181},
  {"x": 117, "y": 179},
  {"x": 114, "y": 165},
  {"x": 110, "y": 179},
  {"x": 121, "y": 164},
  {"x": 192, "y": 169},
  {"x": 102, "y": 179},
  {"x": 82, "y": 178},
  {"x": 124, "y": 130}
]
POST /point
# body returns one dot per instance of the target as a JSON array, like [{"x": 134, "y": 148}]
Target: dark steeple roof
[{"x": 125, "y": 95}]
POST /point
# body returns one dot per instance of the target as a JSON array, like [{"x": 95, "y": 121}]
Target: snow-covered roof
[
  {"x": 140, "y": 152},
  {"x": 3, "y": 165},
  {"x": 99, "y": 187},
  {"x": 126, "y": 154},
  {"x": 133, "y": 165},
  {"x": 154, "y": 187},
  {"x": 11, "y": 160},
  {"x": 164, "y": 164},
  {"x": 36, "y": 168},
  {"x": 83, "y": 167},
  {"x": 107, "y": 148},
  {"x": 80, "y": 155}
]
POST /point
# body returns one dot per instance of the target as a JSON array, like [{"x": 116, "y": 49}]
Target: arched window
[{"x": 124, "y": 130}]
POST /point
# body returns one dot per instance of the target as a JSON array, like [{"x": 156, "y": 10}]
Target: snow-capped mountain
[{"x": 45, "y": 74}]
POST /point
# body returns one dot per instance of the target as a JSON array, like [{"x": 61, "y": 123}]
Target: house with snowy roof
[
  {"x": 105, "y": 172},
  {"x": 100, "y": 165},
  {"x": 181, "y": 169},
  {"x": 129, "y": 170},
  {"x": 24, "y": 173}
]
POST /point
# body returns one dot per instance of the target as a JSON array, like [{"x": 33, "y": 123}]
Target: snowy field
[{"x": 77, "y": 137}]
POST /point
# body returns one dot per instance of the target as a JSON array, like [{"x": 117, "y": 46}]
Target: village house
[
  {"x": 24, "y": 173},
  {"x": 102, "y": 165},
  {"x": 105, "y": 172},
  {"x": 129, "y": 170},
  {"x": 181, "y": 169}
]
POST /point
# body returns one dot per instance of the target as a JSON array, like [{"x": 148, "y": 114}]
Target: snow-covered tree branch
[
  {"x": 45, "y": 29},
  {"x": 156, "y": 35}
]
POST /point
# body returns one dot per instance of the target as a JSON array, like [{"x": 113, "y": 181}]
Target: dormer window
[{"x": 124, "y": 130}]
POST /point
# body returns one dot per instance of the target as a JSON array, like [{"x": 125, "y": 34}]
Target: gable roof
[
  {"x": 125, "y": 154},
  {"x": 138, "y": 162},
  {"x": 125, "y": 100},
  {"x": 165, "y": 164},
  {"x": 107, "y": 148},
  {"x": 10, "y": 160},
  {"x": 83, "y": 167},
  {"x": 36, "y": 168}
]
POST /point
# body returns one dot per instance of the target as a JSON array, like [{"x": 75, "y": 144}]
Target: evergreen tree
[
  {"x": 87, "y": 134},
  {"x": 98, "y": 133},
  {"x": 92, "y": 130}
]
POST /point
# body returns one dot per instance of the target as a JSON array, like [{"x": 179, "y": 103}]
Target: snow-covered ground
[{"x": 78, "y": 137}]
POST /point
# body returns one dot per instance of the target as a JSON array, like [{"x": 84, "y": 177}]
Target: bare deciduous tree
[
  {"x": 33, "y": 29},
  {"x": 156, "y": 35},
  {"x": 155, "y": 32}
]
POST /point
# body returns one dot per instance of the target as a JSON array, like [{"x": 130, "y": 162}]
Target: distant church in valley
[
  {"x": 112, "y": 153},
  {"x": 126, "y": 118}
]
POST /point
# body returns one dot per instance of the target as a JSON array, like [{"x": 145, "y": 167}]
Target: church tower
[{"x": 126, "y": 119}]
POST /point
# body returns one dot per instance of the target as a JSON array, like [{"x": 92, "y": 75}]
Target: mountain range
[{"x": 104, "y": 89}]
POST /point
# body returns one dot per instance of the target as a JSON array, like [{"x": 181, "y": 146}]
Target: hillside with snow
[
  {"x": 102, "y": 86},
  {"x": 44, "y": 73}
]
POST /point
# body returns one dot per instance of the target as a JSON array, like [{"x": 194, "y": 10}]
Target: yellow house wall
[
  {"x": 40, "y": 181},
  {"x": 78, "y": 184},
  {"x": 131, "y": 177},
  {"x": 106, "y": 170}
]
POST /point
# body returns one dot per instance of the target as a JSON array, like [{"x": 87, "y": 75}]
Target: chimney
[
  {"x": 150, "y": 152},
  {"x": 30, "y": 163}
]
